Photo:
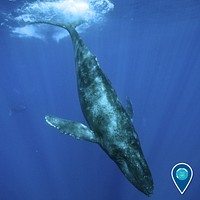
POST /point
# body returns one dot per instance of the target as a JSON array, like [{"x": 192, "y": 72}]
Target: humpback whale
[{"x": 109, "y": 123}]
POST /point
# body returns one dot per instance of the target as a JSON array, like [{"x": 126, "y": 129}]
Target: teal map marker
[{"x": 182, "y": 175}]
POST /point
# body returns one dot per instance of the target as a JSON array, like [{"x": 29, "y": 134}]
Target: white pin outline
[{"x": 188, "y": 181}]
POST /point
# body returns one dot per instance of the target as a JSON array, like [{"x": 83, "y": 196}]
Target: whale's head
[{"x": 132, "y": 163}]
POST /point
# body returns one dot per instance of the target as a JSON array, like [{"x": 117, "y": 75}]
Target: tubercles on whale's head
[{"x": 135, "y": 168}]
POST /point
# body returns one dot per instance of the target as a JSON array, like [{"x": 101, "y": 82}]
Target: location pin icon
[{"x": 182, "y": 175}]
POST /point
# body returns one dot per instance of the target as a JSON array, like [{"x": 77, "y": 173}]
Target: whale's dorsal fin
[
  {"x": 129, "y": 108},
  {"x": 75, "y": 129}
]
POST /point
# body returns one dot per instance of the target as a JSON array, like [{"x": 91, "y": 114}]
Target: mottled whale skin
[{"x": 110, "y": 125}]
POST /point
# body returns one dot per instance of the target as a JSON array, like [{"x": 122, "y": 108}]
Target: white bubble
[{"x": 61, "y": 11}]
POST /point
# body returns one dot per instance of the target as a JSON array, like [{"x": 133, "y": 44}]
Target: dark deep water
[{"x": 150, "y": 50}]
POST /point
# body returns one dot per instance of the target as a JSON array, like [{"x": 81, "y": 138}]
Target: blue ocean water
[{"x": 150, "y": 51}]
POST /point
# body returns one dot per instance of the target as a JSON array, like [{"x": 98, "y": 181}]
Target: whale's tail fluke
[
  {"x": 46, "y": 22},
  {"x": 62, "y": 25},
  {"x": 70, "y": 27}
]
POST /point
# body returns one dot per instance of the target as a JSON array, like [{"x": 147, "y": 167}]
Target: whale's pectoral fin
[
  {"x": 75, "y": 129},
  {"x": 129, "y": 108}
]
